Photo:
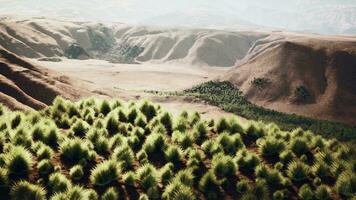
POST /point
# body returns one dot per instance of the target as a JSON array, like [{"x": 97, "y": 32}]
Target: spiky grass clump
[
  {"x": 299, "y": 146},
  {"x": 154, "y": 143},
  {"x": 129, "y": 178},
  {"x": 147, "y": 175},
  {"x": 45, "y": 167},
  {"x": 76, "y": 192},
  {"x": 173, "y": 154},
  {"x": 24, "y": 190},
  {"x": 222, "y": 125},
  {"x": 298, "y": 171},
  {"x": 223, "y": 166},
  {"x": 185, "y": 140},
  {"x": 18, "y": 161},
  {"x": 80, "y": 128},
  {"x": 242, "y": 186},
  {"x": 74, "y": 150},
  {"x": 211, "y": 147},
  {"x": 273, "y": 177},
  {"x": 230, "y": 143},
  {"x": 271, "y": 147},
  {"x": 346, "y": 184},
  {"x": 209, "y": 185},
  {"x": 124, "y": 155},
  {"x": 258, "y": 191},
  {"x": 57, "y": 182},
  {"x": 323, "y": 193},
  {"x": 149, "y": 110},
  {"x": 76, "y": 172},
  {"x": 200, "y": 132},
  {"x": 305, "y": 192},
  {"x": 4, "y": 180},
  {"x": 166, "y": 173},
  {"x": 22, "y": 137},
  {"x": 44, "y": 152},
  {"x": 247, "y": 161},
  {"x": 110, "y": 194},
  {"x": 105, "y": 173},
  {"x": 105, "y": 107},
  {"x": 112, "y": 124},
  {"x": 321, "y": 170},
  {"x": 167, "y": 122},
  {"x": 178, "y": 190}
]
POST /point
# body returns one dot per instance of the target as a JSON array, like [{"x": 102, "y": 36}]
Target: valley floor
[{"x": 129, "y": 81}]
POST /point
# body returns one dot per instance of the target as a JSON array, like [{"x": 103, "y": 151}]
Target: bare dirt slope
[
  {"x": 23, "y": 85},
  {"x": 324, "y": 65},
  {"x": 116, "y": 42}
]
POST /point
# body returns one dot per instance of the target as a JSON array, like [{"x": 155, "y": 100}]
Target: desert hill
[
  {"x": 24, "y": 86},
  {"x": 120, "y": 43},
  {"x": 303, "y": 74}
]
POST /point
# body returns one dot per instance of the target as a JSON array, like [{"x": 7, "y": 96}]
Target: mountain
[
  {"x": 24, "y": 85},
  {"x": 309, "y": 75}
]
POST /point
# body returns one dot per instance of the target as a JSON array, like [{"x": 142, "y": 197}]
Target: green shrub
[
  {"x": 21, "y": 137},
  {"x": 124, "y": 155},
  {"x": 259, "y": 191},
  {"x": 80, "y": 128},
  {"x": 247, "y": 161},
  {"x": 167, "y": 122},
  {"x": 76, "y": 172},
  {"x": 16, "y": 120},
  {"x": 4, "y": 180},
  {"x": 271, "y": 148},
  {"x": 92, "y": 195},
  {"x": 211, "y": 147},
  {"x": 154, "y": 143},
  {"x": 209, "y": 185},
  {"x": 224, "y": 166},
  {"x": 298, "y": 171},
  {"x": 242, "y": 186},
  {"x": 236, "y": 126},
  {"x": 181, "y": 125},
  {"x": 132, "y": 115},
  {"x": 112, "y": 124},
  {"x": 185, "y": 177},
  {"x": 230, "y": 143},
  {"x": 321, "y": 170},
  {"x": 305, "y": 192},
  {"x": 278, "y": 195},
  {"x": 129, "y": 178},
  {"x": 57, "y": 182},
  {"x": 147, "y": 176},
  {"x": 173, "y": 154},
  {"x": 143, "y": 197},
  {"x": 140, "y": 121},
  {"x": 299, "y": 146},
  {"x": 166, "y": 173},
  {"x": 45, "y": 167},
  {"x": 148, "y": 110},
  {"x": 76, "y": 192},
  {"x": 222, "y": 125},
  {"x": 346, "y": 184},
  {"x": 286, "y": 156},
  {"x": 24, "y": 190},
  {"x": 273, "y": 177},
  {"x": 74, "y": 150},
  {"x": 176, "y": 190},
  {"x": 185, "y": 140},
  {"x": 323, "y": 193},
  {"x": 105, "y": 173},
  {"x": 18, "y": 161},
  {"x": 254, "y": 131},
  {"x": 110, "y": 194},
  {"x": 200, "y": 132},
  {"x": 105, "y": 107}
]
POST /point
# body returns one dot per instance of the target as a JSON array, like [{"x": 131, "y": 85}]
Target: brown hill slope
[
  {"x": 313, "y": 76},
  {"x": 23, "y": 85}
]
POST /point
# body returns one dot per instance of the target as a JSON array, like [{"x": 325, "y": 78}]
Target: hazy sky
[
  {"x": 136, "y": 10},
  {"x": 270, "y": 13}
]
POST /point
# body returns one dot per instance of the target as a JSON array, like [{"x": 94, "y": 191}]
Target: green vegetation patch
[
  {"x": 136, "y": 150},
  {"x": 229, "y": 98}
]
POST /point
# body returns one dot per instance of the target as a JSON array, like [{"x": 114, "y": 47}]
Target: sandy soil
[
  {"x": 127, "y": 81},
  {"x": 134, "y": 77}
]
